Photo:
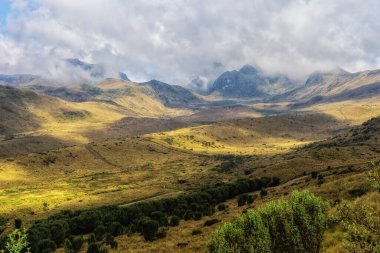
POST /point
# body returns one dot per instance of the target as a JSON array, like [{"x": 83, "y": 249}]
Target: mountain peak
[
  {"x": 123, "y": 76},
  {"x": 248, "y": 70}
]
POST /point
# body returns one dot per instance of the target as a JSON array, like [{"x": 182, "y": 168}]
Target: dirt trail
[
  {"x": 154, "y": 197},
  {"x": 97, "y": 155}
]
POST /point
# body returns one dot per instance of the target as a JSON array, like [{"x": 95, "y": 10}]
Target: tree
[
  {"x": 149, "y": 229},
  {"x": 68, "y": 246},
  {"x": 174, "y": 220},
  {"x": 77, "y": 243},
  {"x": 46, "y": 245},
  {"x": 263, "y": 193},
  {"x": 99, "y": 232},
  {"x": 251, "y": 198},
  {"x": 18, "y": 223}
]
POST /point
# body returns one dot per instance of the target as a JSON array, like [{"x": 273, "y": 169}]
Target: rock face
[
  {"x": 94, "y": 70},
  {"x": 250, "y": 82},
  {"x": 123, "y": 76}
]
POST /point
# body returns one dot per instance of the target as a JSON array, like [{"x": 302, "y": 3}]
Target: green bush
[
  {"x": 18, "y": 223},
  {"x": 77, "y": 243},
  {"x": 293, "y": 225},
  {"x": 46, "y": 245},
  {"x": 96, "y": 248},
  {"x": 211, "y": 222},
  {"x": 251, "y": 198},
  {"x": 16, "y": 241},
  {"x": 149, "y": 229},
  {"x": 99, "y": 232},
  {"x": 68, "y": 246},
  {"x": 222, "y": 207},
  {"x": 174, "y": 220},
  {"x": 263, "y": 193},
  {"x": 242, "y": 200},
  {"x": 196, "y": 232}
]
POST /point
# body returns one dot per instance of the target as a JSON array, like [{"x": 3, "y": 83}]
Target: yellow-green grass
[
  {"x": 226, "y": 139},
  {"x": 352, "y": 111},
  {"x": 118, "y": 171}
]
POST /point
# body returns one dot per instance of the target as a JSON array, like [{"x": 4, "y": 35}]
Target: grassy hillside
[{"x": 253, "y": 136}]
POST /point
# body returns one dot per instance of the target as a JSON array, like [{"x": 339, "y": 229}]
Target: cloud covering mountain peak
[{"x": 176, "y": 41}]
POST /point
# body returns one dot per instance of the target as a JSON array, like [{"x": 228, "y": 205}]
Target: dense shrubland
[
  {"x": 293, "y": 225},
  {"x": 101, "y": 225}
]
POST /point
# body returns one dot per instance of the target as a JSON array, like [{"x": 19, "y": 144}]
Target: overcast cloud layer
[{"x": 177, "y": 40}]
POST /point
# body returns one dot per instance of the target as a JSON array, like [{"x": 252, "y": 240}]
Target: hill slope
[{"x": 339, "y": 85}]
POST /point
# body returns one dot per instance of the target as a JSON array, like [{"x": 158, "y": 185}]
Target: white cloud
[{"x": 177, "y": 40}]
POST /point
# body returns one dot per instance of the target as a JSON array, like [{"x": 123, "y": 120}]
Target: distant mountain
[
  {"x": 173, "y": 95},
  {"x": 250, "y": 82},
  {"x": 94, "y": 70},
  {"x": 17, "y": 80},
  {"x": 123, "y": 76},
  {"x": 336, "y": 85}
]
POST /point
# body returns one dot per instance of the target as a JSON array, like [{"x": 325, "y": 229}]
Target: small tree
[
  {"x": 68, "y": 246},
  {"x": 263, "y": 193},
  {"x": 17, "y": 241},
  {"x": 46, "y": 245},
  {"x": 149, "y": 229},
  {"x": 18, "y": 223},
  {"x": 174, "y": 220},
  {"x": 242, "y": 200}
]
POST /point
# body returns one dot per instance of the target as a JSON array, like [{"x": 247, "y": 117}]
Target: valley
[{"x": 120, "y": 143}]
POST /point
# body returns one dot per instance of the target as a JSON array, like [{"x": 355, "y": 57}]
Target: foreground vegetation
[
  {"x": 68, "y": 227},
  {"x": 294, "y": 225}
]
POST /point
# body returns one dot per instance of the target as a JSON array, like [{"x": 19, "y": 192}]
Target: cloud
[{"x": 178, "y": 40}]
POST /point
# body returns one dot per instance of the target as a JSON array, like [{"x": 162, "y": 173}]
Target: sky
[
  {"x": 4, "y": 10},
  {"x": 177, "y": 41}
]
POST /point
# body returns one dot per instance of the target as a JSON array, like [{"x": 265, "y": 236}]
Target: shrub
[
  {"x": 77, "y": 243},
  {"x": 16, "y": 241},
  {"x": 161, "y": 233},
  {"x": 293, "y": 225},
  {"x": 211, "y": 222},
  {"x": 197, "y": 215},
  {"x": 160, "y": 217},
  {"x": 188, "y": 215},
  {"x": 149, "y": 229},
  {"x": 115, "y": 228},
  {"x": 222, "y": 207},
  {"x": 242, "y": 200},
  {"x": 263, "y": 193},
  {"x": 275, "y": 181},
  {"x": 196, "y": 232},
  {"x": 46, "y": 245},
  {"x": 68, "y": 246},
  {"x": 95, "y": 248},
  {"x": 99, "y": 232},
  {"x": 321, "y": 179},
  {"x": 18, "y": 223},
  {"x": 251, "y": 198},
  {"x": 174, "y": 220},
  {"x": 246, "y": 234},
  {"x": 361, "y": 226},
  {"x": 110, "y": 240}
]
